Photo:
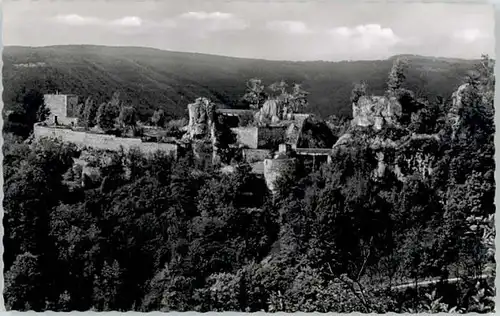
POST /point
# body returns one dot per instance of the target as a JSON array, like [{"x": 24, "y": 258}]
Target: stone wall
[
  {"x": 58, "y": 106},
  {"x": 270, "y": 137},
  {"x": 273, "y": 168},
  {"x": 247, "y": 136},
  {"x": 101, "y": 141},
  {"x": 254, "y": 155}
]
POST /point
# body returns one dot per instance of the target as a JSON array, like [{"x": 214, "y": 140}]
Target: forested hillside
[
  {"x": 181, "y": 235},
  {"x": 151, "y": 78}
]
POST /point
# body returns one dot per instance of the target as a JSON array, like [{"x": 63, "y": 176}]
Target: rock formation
[
  {"x": 200, "y": 132},
  {"x": 201, "y": 119},
  {"x": 274, "y": 110},
  {"x": 275, "y": 168},
  {"x": 271, "y": 111},
  {"x": 376, "y": 111},
  {"x": 453, "y": 115}
]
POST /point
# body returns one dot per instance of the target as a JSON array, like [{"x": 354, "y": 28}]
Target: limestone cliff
[
  {"x": 273, "y": 111},
  {"x": 376, "y": 111},
  {"x": 201, "y": 119},
  {"x": 200, "y": 132},
  {"x": 453, "y": 116}
]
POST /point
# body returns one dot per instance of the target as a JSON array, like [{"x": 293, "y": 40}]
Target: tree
[
  {"x": 106, "y": 116},
  {"x": 24, "y": 285},
  {"x": 358, "y": 91},
  {"x": 107, "y": 287},
  {"x": 222, "y": 293},
  {"x": 90, "y": 113},
  {"x": 298, "y": 99},
  {"x": 128, "y": 117},
  {"x": 279, "y": 87},
  {"x": 42, "y": 113},
  {"x": 255, "y": 95},
  {"x": 224, "y": 138},
  {"x": 27, "y": 107},
  {"x": 79, "y": 113},
  {"x": 158, "y": 119},
  {"x": 405, "y": 97},
  {"x": 397, "y": 75},
  {"x": 116, "y": 100}
]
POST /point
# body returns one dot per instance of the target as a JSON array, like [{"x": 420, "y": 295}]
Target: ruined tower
[{"x": 63, "y": 108}]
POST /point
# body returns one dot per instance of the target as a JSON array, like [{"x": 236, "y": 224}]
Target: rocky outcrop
[
  {"x": 274, "y": 111},
  {"x": 453, "y": 115},
  {"x": 376, "y": 111},
  {"x": 275, "y": 168},
  {"x": 271, "y": 111},
  {"x": 200, "y": 131},
  {"x": 201, "y": 119}
]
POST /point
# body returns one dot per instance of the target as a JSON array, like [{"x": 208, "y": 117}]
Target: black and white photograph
[{"x": 248, "y": 156}]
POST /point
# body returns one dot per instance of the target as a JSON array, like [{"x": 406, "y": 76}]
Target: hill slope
[{"x": 152, "y": 78}]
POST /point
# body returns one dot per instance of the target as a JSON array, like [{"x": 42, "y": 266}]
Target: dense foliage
[{"x": 162, "y": 234}]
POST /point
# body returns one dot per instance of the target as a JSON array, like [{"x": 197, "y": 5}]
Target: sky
[{"x": 291, "y": 30}]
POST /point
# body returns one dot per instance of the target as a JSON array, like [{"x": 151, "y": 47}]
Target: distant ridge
[
  {"x": 152, "y": 78},
  {"x": 94, "y": 46}
]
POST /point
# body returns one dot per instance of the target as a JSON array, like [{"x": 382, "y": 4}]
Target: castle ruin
[
  {"x": 266, "y": 137},
  {"x": 62, "y": 107}
]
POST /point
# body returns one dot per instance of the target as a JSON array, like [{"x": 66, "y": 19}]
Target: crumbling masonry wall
[
  {"x": 63, "y": 107},
  {"x": 270, "y": 137},
  {"x": 255, "y": 155},
  {"x": 101, "y": 141},
  {"x": 247, "y": 136}
]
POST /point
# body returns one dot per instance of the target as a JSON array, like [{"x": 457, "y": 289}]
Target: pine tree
[
  {"x": 397, "y": 75},
  {"x": 358, "y": 91},
  {"x": 90, "y": 113}
]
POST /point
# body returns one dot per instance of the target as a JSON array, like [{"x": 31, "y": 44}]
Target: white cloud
[
  {"x": 201, "y": 15},
  {"x": 292, "y": 27},
  {"x": 211, "y": 21},
  {"x": 469, "y": 35},
  {"x": 132, "y": 21},
  {"x": 75, "y": 19},
  {"x": 366, "y": 36},
  {"x": 78, "y": 20}
]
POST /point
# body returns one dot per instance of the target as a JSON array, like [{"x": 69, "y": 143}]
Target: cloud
[
  {"x": 166, "y": 23},
  {"x": 211, "y": 21},
  {"x": 366, "y": 36},
  {"x": 75, "y": 19},
  {"x": 469, "y": 35},
  {"x": 200, "y": 15},
  {"x": 127, "y": 21},
  {"x": 78, "y": 20},
  {"x": 291, "y": 27}
]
